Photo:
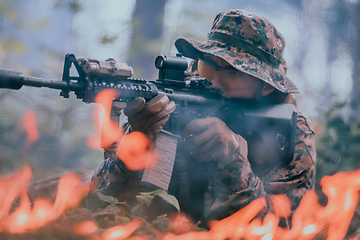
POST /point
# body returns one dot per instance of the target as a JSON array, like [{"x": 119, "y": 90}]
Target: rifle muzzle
[
  {"x": 15, "y": 80},
  {"x": 11, "y": 79}
]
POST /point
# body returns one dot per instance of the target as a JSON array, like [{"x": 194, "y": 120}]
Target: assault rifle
[{"x": 194, "y": 98}]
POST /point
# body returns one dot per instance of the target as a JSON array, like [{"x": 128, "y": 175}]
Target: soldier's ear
[{"x": 267, "y": 89}]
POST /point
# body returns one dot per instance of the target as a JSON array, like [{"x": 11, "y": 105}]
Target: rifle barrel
[{"x": 15, "y": 80}]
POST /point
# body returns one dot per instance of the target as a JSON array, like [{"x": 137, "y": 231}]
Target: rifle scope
[{"x": 171, "y": 62}]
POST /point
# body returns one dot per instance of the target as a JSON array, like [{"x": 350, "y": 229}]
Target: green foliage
[
  {"x": 97, "y": 201},
  {"x": 107, "y": 211},
  {"x": 338, "y": 145},
  {"x": 103, "y": 200},
  {"x": 146, "y": 197}
]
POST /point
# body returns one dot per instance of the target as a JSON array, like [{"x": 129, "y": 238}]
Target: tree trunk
[{"x": 147, "y": 26}]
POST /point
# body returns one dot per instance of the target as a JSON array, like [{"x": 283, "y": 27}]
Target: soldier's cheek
[{"x": 217, "y": 84}]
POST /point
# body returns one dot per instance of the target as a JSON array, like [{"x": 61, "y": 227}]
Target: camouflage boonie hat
[{"x": 249, "y": 43}]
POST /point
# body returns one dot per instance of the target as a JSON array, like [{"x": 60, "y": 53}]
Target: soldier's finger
[
  {"x": 154, "y": 106},
  {"x": 134, "y": 106},
  {"x": 195, "y": 126},
  {"x": 159, "y": 118},
  {"x": 199, "y": 138}
]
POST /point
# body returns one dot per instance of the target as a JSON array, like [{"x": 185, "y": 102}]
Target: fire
[
  {"x": 28, "y": 125},
  {"x": 108, "y": 130},
  {"x": 134, "y": 149},
  {"x": 85, "y": 228},
  {"x": 136, "y": 152},
  {"x": 309, "y": 219},
  {"x": 70, "y": 192},
  {"x": 10, "y": 188},
  {"x": 122, "y": 231},
  {"x": 309, "y": 229},
  {"x": 281, "y": 205},
  {"x": 180, "y": 223}
]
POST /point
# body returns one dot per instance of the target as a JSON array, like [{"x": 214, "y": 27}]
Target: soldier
[{"x": 243, "y": 56}]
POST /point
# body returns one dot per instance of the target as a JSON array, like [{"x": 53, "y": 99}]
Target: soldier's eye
[{"x": 234, "y": 72}]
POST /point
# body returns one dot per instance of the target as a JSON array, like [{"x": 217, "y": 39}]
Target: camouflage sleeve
[
  {"x": 231, "y": 189},
  {"x": 298, "y": 176},
  {"x": 236, "y": 185},
  {"x": 113, "y": 176}
]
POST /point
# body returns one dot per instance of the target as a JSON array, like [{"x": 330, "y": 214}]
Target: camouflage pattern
[
  {"x": 241, "y": 182},
  {"x": 116, "y": 179},
  {"x": 217, "y": 193},
  {"x": 249, "y": 43},
  {"x": 232, "y": 188}
]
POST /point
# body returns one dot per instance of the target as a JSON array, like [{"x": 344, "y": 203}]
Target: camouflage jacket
[
  {"x": 241, "y": 182},
  {"x": 216, "y": 194}
]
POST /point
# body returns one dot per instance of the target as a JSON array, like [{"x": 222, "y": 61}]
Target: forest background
[{"x": 322, "y": 52}]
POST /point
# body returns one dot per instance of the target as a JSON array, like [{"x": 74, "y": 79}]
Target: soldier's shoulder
[{"x": 304, "y": 123}]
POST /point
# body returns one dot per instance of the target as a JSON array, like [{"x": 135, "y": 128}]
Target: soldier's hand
[
  {"x": 149, "y": 117},
  {"x": 209, "y": 139}
]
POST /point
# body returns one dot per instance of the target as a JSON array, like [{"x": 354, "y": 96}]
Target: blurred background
[{"x": 322, "y": 52}]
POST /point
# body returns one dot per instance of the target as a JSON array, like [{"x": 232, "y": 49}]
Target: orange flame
[
  {"x": 121, "y": 232},
  {"x": 85, "y": 228},
  {"x": 70, "y": 192},
  {"x": 180, "y": 223},
  {"x": 28, "y": 124},
  {"x": 281, "y": 205},
  {"x": 108, "y": 131},
  {"x": 138, "y": 237},
  {"x": 10, "y": 188},
  {"x": 135, "y": 149},
  {"x": 136, "y": 152},
  {"x": 309, "y": 219}
]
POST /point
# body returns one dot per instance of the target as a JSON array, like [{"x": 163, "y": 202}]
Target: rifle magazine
[{"x": 165, "y": 149}]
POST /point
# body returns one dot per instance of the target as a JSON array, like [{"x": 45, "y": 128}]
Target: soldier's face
[{"x": 234, "y": 83}]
